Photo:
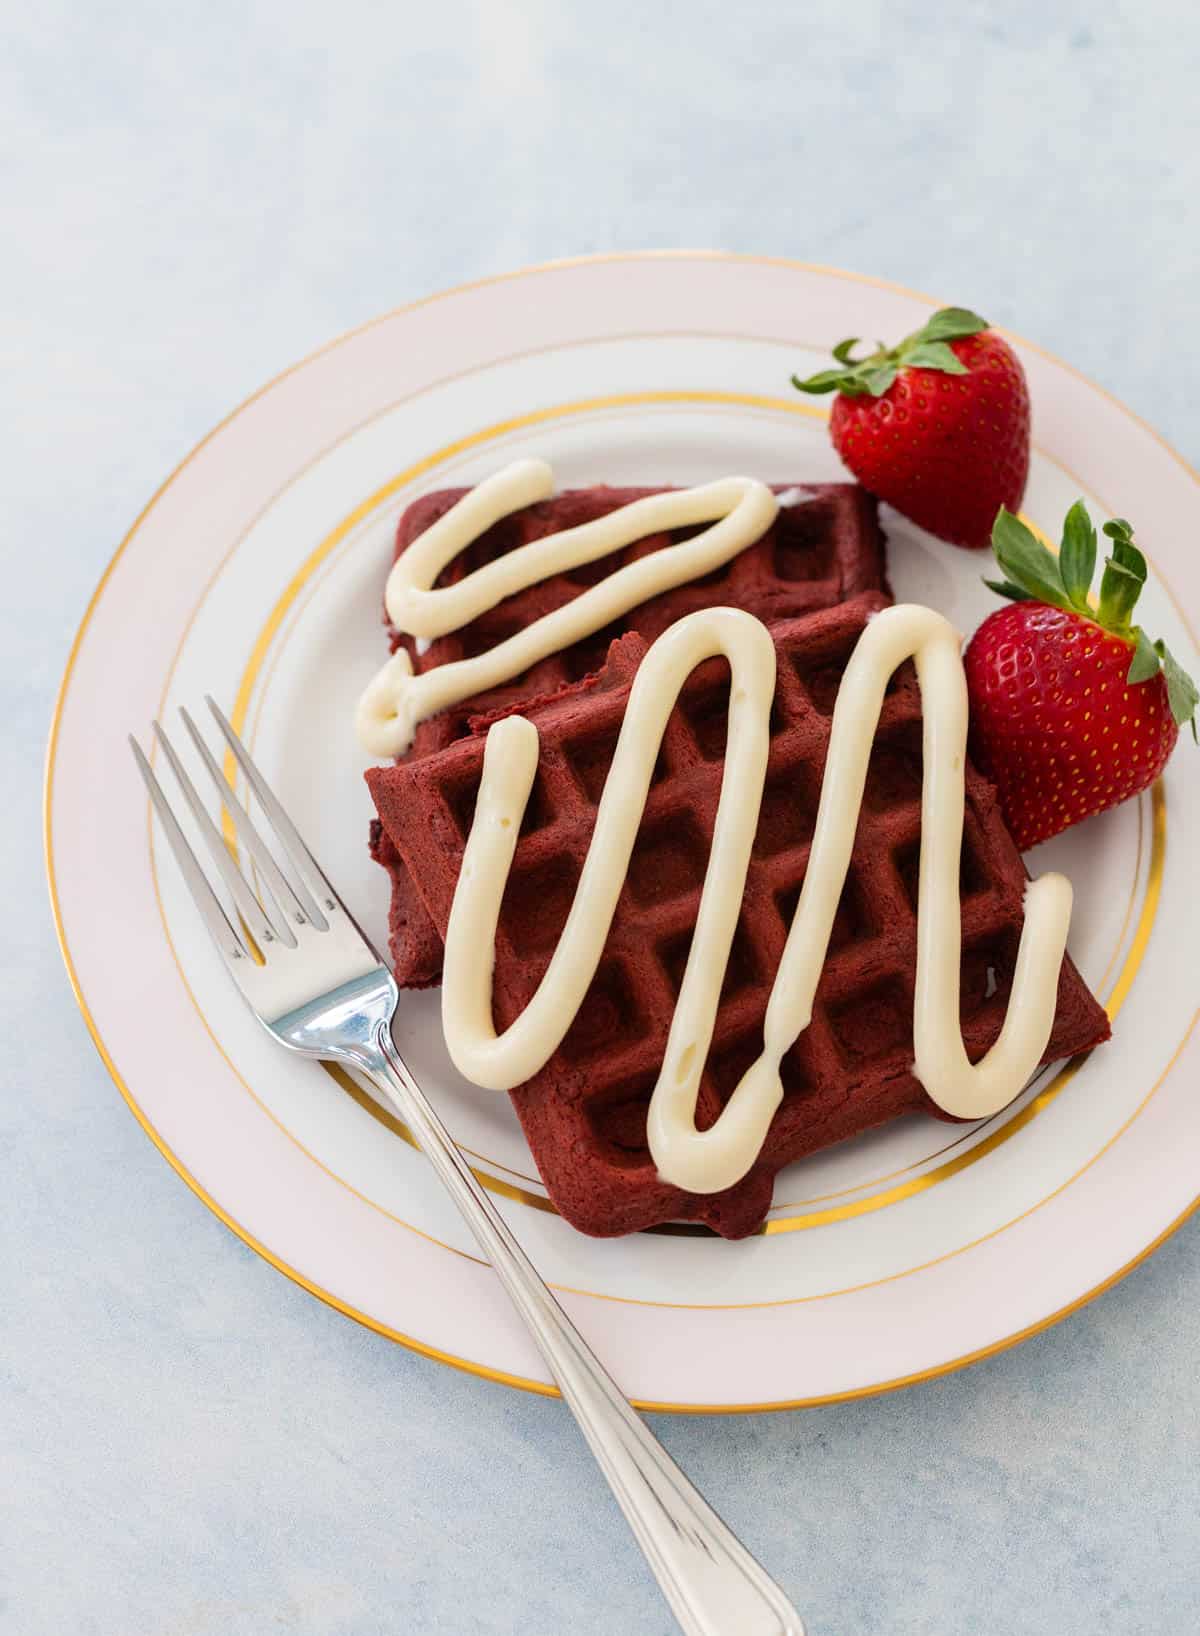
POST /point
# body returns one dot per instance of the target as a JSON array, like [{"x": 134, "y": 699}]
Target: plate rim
[{"x": 411, "y": 1343}]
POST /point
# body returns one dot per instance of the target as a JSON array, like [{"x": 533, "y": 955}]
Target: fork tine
[
  {"x": 290, "y": 838},
  {"x": 295, "y": 907},
  {"x": 205, "y": 899},
  {"x": 261, "y": 928}
]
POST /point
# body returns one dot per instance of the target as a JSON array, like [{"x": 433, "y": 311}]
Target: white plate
[{"x": 256, "y": 573}]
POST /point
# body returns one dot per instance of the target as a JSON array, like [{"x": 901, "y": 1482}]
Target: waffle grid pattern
[{"x": 585, "y": 1113}]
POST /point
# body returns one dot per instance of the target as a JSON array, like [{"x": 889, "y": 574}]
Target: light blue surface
[{"x": 189, "y": 1445}]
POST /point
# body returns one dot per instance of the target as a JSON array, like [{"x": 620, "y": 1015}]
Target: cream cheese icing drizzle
[
  {"x": 707, "y": 1161},
  {"x": 739, "y": 511}
]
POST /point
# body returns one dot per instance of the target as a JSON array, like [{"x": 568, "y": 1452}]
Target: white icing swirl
[
  {"x": 739, "y": 510},
  {"x": 707, "y": 1161}
]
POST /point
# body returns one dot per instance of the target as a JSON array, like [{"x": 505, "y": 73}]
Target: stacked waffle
[{"x": 815, "y": 577}]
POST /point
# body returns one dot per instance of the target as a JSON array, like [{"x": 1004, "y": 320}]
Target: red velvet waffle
[
  {"x": 584, "y": 1114},
  {"x": 825, "y": 546}
]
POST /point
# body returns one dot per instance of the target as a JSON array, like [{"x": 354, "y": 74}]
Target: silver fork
[{"x": 318, "y": 987}]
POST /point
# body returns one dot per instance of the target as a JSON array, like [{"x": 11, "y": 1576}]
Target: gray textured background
[{"x": 189, "y": 1445}]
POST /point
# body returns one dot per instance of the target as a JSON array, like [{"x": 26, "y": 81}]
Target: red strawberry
[
  {"x": 1073, "y": 708},
  {"x": 937, "y": 426}
]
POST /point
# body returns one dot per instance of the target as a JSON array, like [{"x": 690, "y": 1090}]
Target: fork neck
[{"x": 350, "y": 1023}]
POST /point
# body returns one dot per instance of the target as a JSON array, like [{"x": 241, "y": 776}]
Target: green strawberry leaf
[
  {"x": 1144, "y": 663},
  {"x": 1182, "y": 693},
  {"x": 1119, "y": 529},
  {"x": 1130, "y": 558},
  {"x": 951, "y": 324},
  {"x": 1077, "y": 560},
  {"x": 842, "y": 352},
  {"x": 877, "y": 381},
  {"x": 934, "y": 355},
  {"x": 1026, "y": 561},
  {"x": 825, "y": 380},
  {"x": 1003, "y": 587}
]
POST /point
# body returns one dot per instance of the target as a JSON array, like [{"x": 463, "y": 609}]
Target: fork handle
[{"x": 713, "y": 1584}]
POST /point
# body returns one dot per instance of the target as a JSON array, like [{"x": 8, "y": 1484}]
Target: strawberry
[
  {"x": 937, "y": 426},
  {"x": 1073, "y": 708}
]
